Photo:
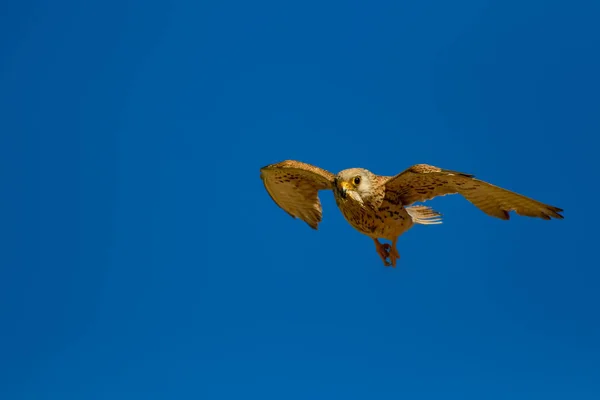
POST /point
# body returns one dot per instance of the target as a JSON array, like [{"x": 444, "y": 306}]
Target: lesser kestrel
[{"x": 380, "y": 206}]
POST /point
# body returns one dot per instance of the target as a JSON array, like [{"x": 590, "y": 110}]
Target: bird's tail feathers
[{"x": 424, "y": 215}]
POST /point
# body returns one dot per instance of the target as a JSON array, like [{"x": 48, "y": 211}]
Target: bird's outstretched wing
[
  {"x": 294, "y": 186},
  {"x": 423, "y": 182}
]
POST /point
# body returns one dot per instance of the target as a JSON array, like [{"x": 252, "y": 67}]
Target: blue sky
[{"x": 141, "y": 257}]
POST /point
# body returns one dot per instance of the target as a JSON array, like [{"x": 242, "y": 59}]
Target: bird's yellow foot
[
  {"x": 393, "y": 254},
  {"x": 384, "y": 252}
]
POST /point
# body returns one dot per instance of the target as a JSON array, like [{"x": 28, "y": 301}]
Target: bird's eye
[{"x": 357, "y": 180}]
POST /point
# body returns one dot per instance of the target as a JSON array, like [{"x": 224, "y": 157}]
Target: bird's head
[{"x": 354, "y": 184}]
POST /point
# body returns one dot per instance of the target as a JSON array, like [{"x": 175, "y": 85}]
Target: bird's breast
[{"x": 388, "y": 221}]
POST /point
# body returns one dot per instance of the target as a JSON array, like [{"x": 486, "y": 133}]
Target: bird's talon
[{"x": 383, "y": 250}]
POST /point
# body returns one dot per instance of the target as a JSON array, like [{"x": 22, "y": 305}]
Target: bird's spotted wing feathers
[
  {"x": 294, "y": 186},
  {"x": 423, "y": 182}
]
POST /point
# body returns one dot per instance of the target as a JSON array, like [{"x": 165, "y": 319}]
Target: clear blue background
[{"x": 141, "y": 257}]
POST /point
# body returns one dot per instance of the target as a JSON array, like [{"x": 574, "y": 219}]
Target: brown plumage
[{"x": 380, "y": 206}]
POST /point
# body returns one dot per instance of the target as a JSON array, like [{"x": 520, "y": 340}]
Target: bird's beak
[{"x": 344, "y": 187}]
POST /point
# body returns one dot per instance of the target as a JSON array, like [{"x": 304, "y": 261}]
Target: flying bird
[{"x": 381, "y": 207}]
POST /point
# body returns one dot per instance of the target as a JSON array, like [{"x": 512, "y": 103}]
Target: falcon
[{"x": 381, "y": 207}]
